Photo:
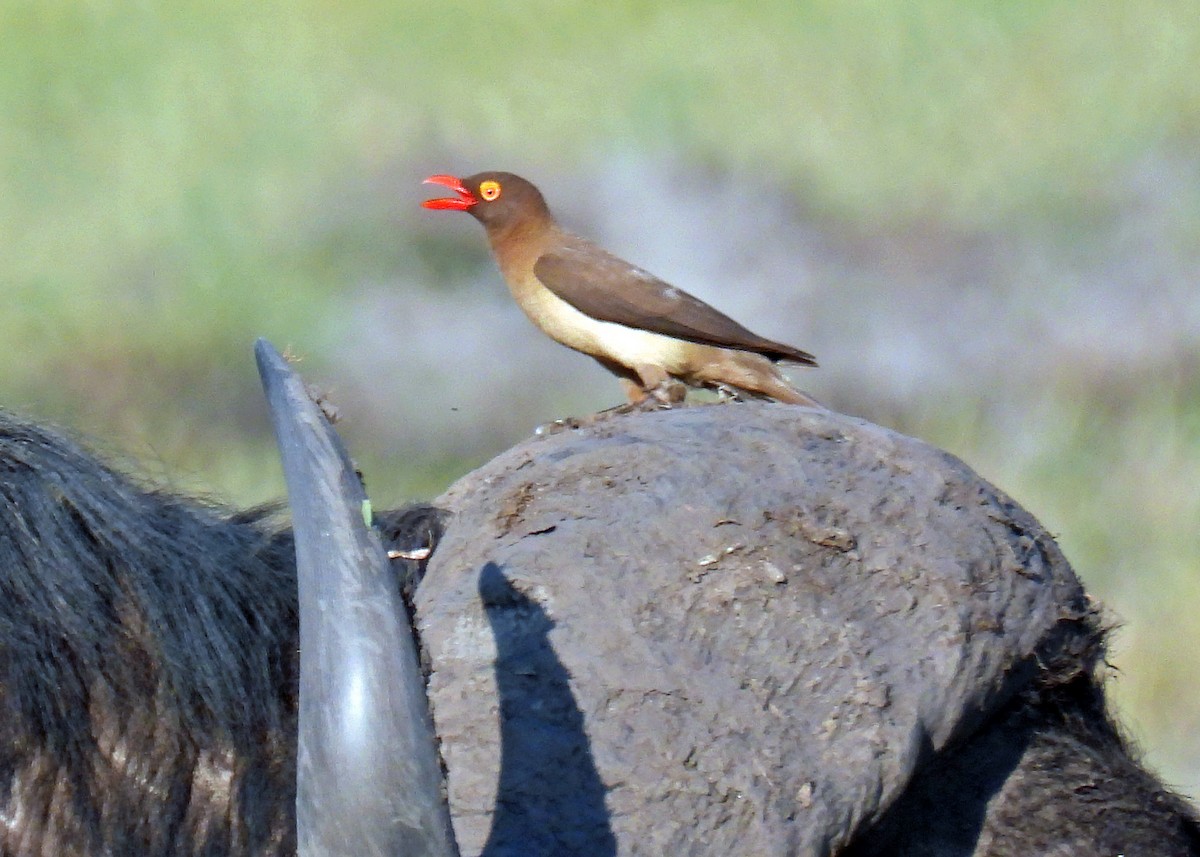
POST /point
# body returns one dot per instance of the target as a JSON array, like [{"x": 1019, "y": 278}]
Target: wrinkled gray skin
[{"x": 760, "y": 629}]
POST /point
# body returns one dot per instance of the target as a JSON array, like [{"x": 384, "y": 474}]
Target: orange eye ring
[{"x": 489, "y": 190}]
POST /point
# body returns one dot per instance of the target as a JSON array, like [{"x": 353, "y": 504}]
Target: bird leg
[
  {"x": 663, "y": 396},
  {"x": 670, "y": 393},
  {"x": 656, "y": 386},
  {"x": 644, "y": 402},
  {"x": 725, "y": 393}
]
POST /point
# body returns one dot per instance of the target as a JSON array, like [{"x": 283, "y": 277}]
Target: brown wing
[{"x": 604, "y": 287}]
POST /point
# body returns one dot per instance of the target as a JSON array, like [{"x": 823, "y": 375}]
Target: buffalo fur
[{"x": 148, "y": 662}]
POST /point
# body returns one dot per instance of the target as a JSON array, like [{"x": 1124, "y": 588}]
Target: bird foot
[
  {"x": 725, "y": 393},
  {"x": 661, "y": 397},
  {"x": 664, "y": 397},
  {"x": 666, "y": 394},
  {"x": 645, "y": 404}
]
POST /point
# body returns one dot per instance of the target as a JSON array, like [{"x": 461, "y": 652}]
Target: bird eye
[{"x": 489, "y": 190}]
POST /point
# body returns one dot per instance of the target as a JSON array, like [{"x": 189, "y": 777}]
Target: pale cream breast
[
  {"x": 625, "y": 345},
  {"x": 562, "y": 322}
]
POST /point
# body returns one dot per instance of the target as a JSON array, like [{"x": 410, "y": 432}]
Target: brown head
[{"x": 499, "y": 201}]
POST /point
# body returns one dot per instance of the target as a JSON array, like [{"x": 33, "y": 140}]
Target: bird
[{"x": 656, "y": 338}]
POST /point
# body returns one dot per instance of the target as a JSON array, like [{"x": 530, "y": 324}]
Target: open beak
[{"x": 462, "y": 202}]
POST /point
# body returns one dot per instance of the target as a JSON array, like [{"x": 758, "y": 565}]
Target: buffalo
[{"x": 745, "y": 628}]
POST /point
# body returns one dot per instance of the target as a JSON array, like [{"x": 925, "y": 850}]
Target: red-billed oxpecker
[{"x": 641, "y": 329}]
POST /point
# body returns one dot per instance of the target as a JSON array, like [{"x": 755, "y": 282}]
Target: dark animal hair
[
  {"x": 1051, "y": 772},
  {"x": 148, "y": 652}
]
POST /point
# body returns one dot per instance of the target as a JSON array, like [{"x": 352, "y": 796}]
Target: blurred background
[{"x": 983, "y": 218}]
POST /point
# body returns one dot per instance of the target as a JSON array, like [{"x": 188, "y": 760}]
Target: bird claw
[
  {"x": 725, "y": 393},
  {"x": 666, "y": 394},
  {"x": 661, "y": 397}
]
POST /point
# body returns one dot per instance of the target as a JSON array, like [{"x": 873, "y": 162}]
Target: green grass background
[{"x": 177, "y": 179}]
